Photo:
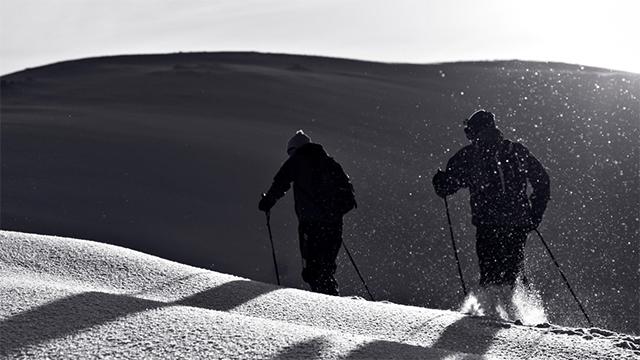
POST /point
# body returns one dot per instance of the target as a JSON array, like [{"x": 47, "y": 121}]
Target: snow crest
[{"x": 67, "y": 298}]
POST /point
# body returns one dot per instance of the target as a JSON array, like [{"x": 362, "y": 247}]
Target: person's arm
[
  {"x": 539, "y": 180},
  {"x": 281, "y": 184},
  {"x": 455, "y": 176},
  {"x": 344, "y": 182},
  {"x": 282, "y": 181}
]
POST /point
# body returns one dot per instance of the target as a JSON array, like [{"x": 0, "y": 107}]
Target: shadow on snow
[{"x": 70, "y": 315}]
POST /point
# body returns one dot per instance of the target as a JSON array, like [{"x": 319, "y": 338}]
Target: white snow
[{"x": 68, "y": 298}]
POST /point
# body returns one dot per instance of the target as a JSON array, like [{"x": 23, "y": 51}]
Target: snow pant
[
  {"x": 500, "y": 254},
  {"x": 319, "y": 245}
]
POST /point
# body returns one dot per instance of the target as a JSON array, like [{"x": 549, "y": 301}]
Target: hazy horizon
[{"x": 588, "y": 33}]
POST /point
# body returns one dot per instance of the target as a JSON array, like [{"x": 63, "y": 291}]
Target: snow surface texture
[{"x": 67, "y": 298}]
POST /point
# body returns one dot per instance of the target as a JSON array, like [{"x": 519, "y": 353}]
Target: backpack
[{"x": 334, "y": 192}]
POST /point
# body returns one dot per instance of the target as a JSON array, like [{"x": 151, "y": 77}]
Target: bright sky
[{"x": 597, "y": 33}]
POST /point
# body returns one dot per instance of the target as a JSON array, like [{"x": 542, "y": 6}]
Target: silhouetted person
[
  {"x": 322, "y": 194},
  {"x": 496, "y": 171}
]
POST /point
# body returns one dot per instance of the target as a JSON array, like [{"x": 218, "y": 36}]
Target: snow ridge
[{"x": 72, "y": 298}]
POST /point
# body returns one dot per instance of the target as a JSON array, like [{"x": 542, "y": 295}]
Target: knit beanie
[
  {"x": 480, "y": 119},
  {"x": 299, "y": 139}
]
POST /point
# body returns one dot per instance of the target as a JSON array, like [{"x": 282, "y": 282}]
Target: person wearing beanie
[
  {"x": 323, "y": 194},
  {"x": 496, "y": 172}
]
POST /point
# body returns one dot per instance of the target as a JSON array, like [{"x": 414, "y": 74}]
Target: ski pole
[
  {"x": 565, "y": 278},
  {"x": 273, "y": 251},
  {"x": 455, "y": 249},
  {"x": 357, "y": 271}
]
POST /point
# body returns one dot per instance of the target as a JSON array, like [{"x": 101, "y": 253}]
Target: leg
[
  {"x": 500, "y": 254},
  {"x": 515, "y": 240},
  {"x": 485, "y": 249},
  {"x": 320, "y": 244},
  {"x": 488, "y": 251},
  {"x": 331, "y": 242},
  {"x": 497, "y": 260},
  {"x": 510, "y": 262}
]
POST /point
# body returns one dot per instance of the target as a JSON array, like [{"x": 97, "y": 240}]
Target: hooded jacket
[
  {"x": 496, "y": 171},
  {"x": 304, "y": 169}
]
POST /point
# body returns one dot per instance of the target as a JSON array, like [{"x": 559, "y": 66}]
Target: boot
[
  {"x": 487, "y": 302},
  {"x": 504, "y": 302}
]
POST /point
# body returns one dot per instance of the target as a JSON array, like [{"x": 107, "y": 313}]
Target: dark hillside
[{"x": 168, "y": 154}]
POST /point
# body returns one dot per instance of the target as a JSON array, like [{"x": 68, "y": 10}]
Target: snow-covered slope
[
  {"x": 62, "y": 297},
  {"x": 168, "y": 154}
]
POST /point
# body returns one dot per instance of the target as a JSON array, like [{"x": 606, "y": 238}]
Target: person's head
[
  {"x": 478, "y": 123},
  {"x": 299, "y": 139}
]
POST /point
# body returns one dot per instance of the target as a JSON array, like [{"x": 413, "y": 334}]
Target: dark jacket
[
  {"x": 496, "y": 174},
  {"x": 305, "y": 169}
]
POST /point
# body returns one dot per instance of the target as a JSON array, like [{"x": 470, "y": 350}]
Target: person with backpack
[
  {"x": 323, "y": 194},
  {"x": 496, "y": 171}
]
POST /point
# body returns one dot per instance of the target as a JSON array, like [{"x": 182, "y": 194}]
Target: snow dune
[{"x": 68, "y": 298}]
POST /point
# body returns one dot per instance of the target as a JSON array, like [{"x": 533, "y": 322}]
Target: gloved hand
[
  {"x": 266, "y": 203},
  {"x": 535, "y": 221},
  {"x": 439, "y": 183}
]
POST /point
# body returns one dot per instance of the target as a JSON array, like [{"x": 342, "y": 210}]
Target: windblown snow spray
[
  {"x": 523, "y": 303},
  {"x": 528, "y": 304}
]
